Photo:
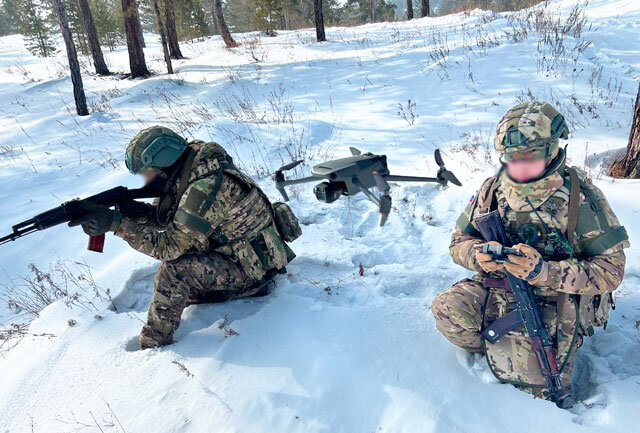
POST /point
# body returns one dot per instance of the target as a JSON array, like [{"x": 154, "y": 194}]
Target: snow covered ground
[{"x": 329, "y": 350}]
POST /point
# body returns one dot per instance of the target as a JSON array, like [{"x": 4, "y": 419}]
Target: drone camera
[{"x": 328, "y": 192}]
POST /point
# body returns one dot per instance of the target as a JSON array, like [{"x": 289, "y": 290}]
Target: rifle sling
[
  {"x": 497, "y": 329},
  {"x": 166, "y": 207},
  {"x": 574, "y": 204},
  {"x": 184, "y": 177},
  {"x": 497, "y": 283}
]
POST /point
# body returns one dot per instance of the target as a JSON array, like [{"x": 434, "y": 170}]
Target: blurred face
[
  {"x": 525, "y": 170},
  {"x": 149, "y": 175}
]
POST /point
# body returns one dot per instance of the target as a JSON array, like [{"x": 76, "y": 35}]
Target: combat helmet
[
  {"x": 155, "y": 148},
  {"x": 532, "y": 130}
]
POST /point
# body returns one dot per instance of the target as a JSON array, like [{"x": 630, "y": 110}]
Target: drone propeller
[
  {"x": 291, "y": 165},
  {"x": 279, "y": 177},
  {"x": 385, "y": 199},
  {"x": 354, "y": 151},
  {"x": 443, "y": 173},
  {"x": 438, "y": 158},
  {"x": 385, "y": 208}
]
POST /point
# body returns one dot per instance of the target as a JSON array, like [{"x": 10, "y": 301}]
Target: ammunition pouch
[
  {"x": 260, "y": 254},
  {"x": 286, "y": 222}
]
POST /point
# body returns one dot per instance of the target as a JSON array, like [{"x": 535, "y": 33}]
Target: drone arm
[
  {"x": 394, "y": 178},
  {"x": 280, "y": 184},
  {"x": 366, "y": 191},
  {"x": 297, "y": 181}
]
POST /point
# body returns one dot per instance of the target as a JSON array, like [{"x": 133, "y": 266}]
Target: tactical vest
[
  {"x": 245, "y": 230},
  {"x": 564, "y": 212}
]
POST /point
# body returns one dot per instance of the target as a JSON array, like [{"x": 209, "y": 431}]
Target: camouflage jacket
[
  {"x": 597, "y": 266},
  {"x": 571, "y": 299},
  {"x": 221, "y": 210}
]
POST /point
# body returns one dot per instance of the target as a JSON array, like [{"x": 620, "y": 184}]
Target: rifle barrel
[{"x": 73, "y": 209}]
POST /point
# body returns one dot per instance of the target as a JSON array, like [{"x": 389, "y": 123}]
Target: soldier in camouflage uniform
[
  {"x": 571, "y": 244},
  {"x": 214, "y": 230}
]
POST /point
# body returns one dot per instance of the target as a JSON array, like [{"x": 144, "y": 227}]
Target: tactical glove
[
  {"x": 136, "y": 209},
  {"x": 486, "y": 262},
  {"x": 98, "y": 220},
  {"x": 530, "y": 266}
]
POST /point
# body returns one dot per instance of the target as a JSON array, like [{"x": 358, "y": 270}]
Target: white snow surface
[{"x": 329, "y": 350}]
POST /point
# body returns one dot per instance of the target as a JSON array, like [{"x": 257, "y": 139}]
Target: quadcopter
[{"x": 358, "y": 173}]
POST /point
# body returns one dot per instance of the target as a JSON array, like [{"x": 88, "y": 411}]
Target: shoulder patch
[
  {"x": 195, "y": 198},
  {"x": 192, "y": 222}
]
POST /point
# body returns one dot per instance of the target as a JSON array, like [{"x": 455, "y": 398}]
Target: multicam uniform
[
  {"x": 220, "y": 240},
  {"x": 575, "y": 296}
]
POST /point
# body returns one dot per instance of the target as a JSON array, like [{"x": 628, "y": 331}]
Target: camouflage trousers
[
  {"x": 193, "y": 278},
  {"x": 459, "y": 314}
]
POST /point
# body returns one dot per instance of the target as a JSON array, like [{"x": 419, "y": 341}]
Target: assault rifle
[
  {"x": 526, "y": 312},
  {"x": 77, "y": 208}
]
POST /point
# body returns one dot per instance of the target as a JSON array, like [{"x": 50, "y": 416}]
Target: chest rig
[
  {"x": 219, "y": 201},
  {"x": 543, "y": 227}
]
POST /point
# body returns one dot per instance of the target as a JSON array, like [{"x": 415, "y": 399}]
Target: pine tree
[
  {"x": 72, "y": 56},
  {"x": 133, "y": 30},
  {"x": 424, "y": 8},
  {"x": 360, "y": 11},
  {"x": 8, "y": 17},
  {"x": 192, "y": 20},
  {"x": 163, "y": 37},
  {"x": 76, "y": 24},
  {"x": 107, "y": 17},
  {"x": 294, "y": 14},
  {"x": 629, "y": 165},
  {"x": 36, "y": 24},
  {"x": 94, "y": 40},
  {"x": 267, "y": 15},
  {"x": 222, "y": 25},
  {"x": 320, "y": 36},
  {"x": 409, "y": 9},
  {"x": 239, "y": 14},
  {"x": 172, "y": 33}
]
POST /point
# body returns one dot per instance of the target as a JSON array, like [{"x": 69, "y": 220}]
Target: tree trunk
[
  {"x": 216, "y": 31},
  {"x": 374, "y": 5},
  {"x": 424, "y": 8},
  {"x": 163, "y": 37},
  {"x": 320, "y": 36},
  {"x": 134, "y": 42},
  {"x": 72, "y": 55},
  {"x": 82, "y": 43},
  {"x": 629, "y": 165},
  {"x": 172, "y": 33},
  {"x": 94, "y": 41},
  {"x": 409, "y": 9},
  {"x": 140, "y": 30},
  {"x": 222, "y": 25}
]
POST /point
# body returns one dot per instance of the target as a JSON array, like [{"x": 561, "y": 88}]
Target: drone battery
[{"x": 328, "y": 192}]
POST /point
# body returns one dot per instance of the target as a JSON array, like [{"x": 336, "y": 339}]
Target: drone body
[
  {"x": 347, "y": 176},
  {"x": 355, "y": 174}
]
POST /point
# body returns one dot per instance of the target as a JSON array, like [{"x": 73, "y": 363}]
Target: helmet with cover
[
  {"x": 154, "y": 148},
  {"x": 531, "y": 130}
]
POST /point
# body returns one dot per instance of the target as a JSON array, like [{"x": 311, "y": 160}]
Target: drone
[{"x": 355, "y": 174}]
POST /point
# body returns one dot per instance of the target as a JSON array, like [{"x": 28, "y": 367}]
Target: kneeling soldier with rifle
[
  {"x": 548, "y": 252},
  {"x": 214, "y": 230}
]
